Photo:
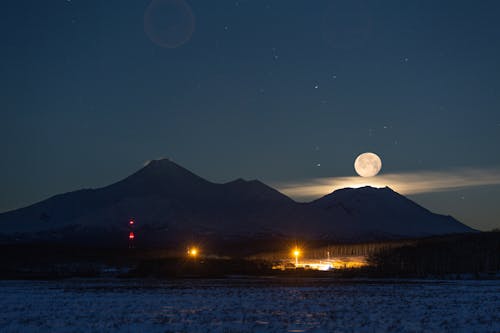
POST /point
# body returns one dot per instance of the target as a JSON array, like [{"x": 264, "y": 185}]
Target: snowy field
[{"x": 239, "y": 305}]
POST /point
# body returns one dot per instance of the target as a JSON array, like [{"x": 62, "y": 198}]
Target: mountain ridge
[{"x": 170, "y": 202}]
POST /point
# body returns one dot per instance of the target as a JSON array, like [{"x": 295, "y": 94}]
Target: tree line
[{"x": 476, "y": 253}]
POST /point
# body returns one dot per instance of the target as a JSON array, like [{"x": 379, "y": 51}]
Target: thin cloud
[{"x": 404, "y": 183}]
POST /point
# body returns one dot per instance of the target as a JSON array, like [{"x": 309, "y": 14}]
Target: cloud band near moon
[{"x": 404, "y": 183}]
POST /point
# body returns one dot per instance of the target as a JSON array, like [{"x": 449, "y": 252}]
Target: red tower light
[
  {"x": 131, "y": 222},
  {"x": 131, "y": 236}
]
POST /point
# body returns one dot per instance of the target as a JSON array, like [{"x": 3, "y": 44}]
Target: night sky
[{"x": 282, "y": 91}]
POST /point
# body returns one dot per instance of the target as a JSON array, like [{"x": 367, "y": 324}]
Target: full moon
[{"x": 368, "y": 165}]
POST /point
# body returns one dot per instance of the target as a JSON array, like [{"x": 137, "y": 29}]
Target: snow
[
  {"x": 249, "y": 305},
  {"x": 168, "y": 200}
]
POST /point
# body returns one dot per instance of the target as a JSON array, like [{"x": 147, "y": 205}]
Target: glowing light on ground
[
  {"x": 296, "y": 254},
  {"x": 321, "y": 264},
  {"x": 193, "y": 252}
]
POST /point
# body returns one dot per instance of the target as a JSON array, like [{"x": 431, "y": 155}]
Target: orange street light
[
  {"x": 192, "y": 252},
  {"x": 296, "y": 254}
]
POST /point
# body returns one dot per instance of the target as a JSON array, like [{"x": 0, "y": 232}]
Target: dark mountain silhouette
[
  {"x": 382, "y": 211},
  {"x": 172, "y": 205}
]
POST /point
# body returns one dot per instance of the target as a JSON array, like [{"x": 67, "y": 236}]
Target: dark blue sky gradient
[{"x": 263, "y": 89}]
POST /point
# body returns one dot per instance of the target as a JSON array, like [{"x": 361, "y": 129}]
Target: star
[{"x": 275, "y": 56}]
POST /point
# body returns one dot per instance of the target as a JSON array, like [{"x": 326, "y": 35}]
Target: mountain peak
[
  {"x": 368, "y": 188},
  {"x": 161, "y": 162},
  {"x": 161, "y": 176},
  {"x": 382, "y": 208},
  {"x": 164, "y": 165},
  {"x": 364, "y": 190},
  {"x": 237, "y": 181},
  {"x": 164, "y": 194}
]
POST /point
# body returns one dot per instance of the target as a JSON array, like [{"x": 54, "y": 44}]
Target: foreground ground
[{"x": 249, "y": 305}]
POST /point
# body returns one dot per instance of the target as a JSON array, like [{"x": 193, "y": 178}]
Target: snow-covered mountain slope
[
  {"x": 382, "y": 211},
  {"x": 171, "y": 203},
  {"x": 164, "y": 197}
]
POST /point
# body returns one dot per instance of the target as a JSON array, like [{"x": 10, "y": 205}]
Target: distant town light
[
  {"x": 296, "y": 254},
  {"x": 193, "y": 252}
]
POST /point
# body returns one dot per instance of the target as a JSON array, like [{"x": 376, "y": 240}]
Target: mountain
[
  {"x": 384, "y": 213},
  {"x": 173, "y": 205}
]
